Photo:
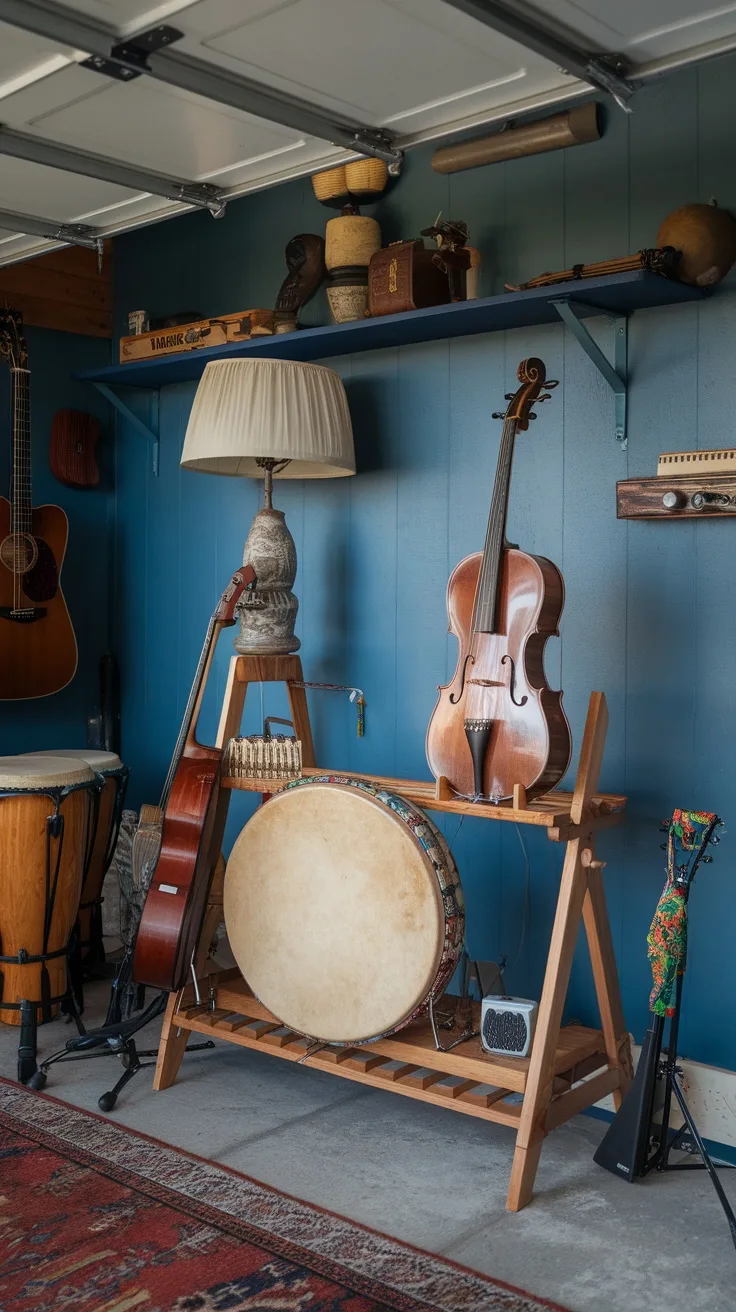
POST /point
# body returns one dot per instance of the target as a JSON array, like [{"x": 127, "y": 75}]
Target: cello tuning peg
[
  {"x": 532, "y": 415},
  {"x": 498, "y": 414},
  {"x": 663, "y": 847},
  {"x": 509, "y": 396},
  {"x": 544, "y": 397},
  {"x": 715, "y": 840},
  {"x": 552, "y": 382},
  {"x": 706, "y": 860}
]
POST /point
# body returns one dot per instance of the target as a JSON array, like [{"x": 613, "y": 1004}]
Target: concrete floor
[{"x": 437, "y": 1180}]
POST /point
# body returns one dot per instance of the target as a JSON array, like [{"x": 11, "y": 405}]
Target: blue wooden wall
[
  {"x": 61, "y": 721},
  {"x": 651, "y": 607}
]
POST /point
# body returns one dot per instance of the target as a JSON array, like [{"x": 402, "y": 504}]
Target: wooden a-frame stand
[{"x": 569, "y": 1067}]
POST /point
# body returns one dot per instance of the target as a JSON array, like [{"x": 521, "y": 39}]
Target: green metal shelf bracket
[
  {"x": 616, "y": 374},
  {"x": 149, "y": 430}
]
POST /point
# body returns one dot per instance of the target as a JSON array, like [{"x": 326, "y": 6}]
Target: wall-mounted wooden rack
[
  {"x": 683, "y": 496},
  {"x": 616, "y": 296}
]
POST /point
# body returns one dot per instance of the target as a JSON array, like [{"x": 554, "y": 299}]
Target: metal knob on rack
[{"x": 672, "y": 500}]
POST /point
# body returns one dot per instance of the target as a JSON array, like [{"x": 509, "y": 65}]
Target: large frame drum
[
  {"x": 104, "y": 836},
  {"x": 45, "y": 806},
  {"x": 344, "y": 909}
]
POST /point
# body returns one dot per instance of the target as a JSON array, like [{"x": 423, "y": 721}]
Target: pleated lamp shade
[{"x": 270, "y": 409}]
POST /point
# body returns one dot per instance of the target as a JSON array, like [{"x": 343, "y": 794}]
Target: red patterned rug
[{"x": 96, "y": 1218}]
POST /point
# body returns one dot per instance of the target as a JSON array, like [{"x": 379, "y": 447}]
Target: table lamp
[{"x": 269, "y": 419}]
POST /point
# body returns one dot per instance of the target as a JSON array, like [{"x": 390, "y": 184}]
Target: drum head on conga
[
  {"x": 102, "y": 762},
  {"x": 36, "y": 771},
  {"x": 335, "y": 912}
]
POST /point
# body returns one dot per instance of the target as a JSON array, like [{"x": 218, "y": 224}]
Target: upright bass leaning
[{"x": 498, "y": 723}]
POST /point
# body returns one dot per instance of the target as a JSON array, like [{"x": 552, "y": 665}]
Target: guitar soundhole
[{"x": 19, "y": 552}]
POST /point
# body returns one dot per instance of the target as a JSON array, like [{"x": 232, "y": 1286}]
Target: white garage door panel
[
  {"x": 643, "y": 29},
  {"x": 34, "y": 189},
  {"x": 161, "y": 128},
  {"x": 382, "y": 62},
  {"x": 420, "y": 68}
]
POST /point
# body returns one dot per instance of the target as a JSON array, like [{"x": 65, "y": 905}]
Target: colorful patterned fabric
[
  {"x": 667, "y": 937},
  {"x": 95, "y": 1218}
]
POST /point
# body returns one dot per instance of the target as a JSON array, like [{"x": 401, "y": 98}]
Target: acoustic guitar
[
  {"x": 38, "y": 650},
  {"x": 172, "y": 850}
]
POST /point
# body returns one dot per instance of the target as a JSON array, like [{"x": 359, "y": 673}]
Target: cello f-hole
[
  {"x": 469, "y": 659},
  {"x": 512, "y": 681}
]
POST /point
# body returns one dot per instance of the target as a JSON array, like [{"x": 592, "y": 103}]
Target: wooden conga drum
[
  {"x": 105, "y": 826},
  {"x": 44, "y": 831}
]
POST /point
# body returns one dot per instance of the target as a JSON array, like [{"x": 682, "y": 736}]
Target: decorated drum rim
[{"x": 446, "y": 873}]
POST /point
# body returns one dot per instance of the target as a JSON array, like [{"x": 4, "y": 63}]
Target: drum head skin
[
  {"x": 102, "y": 762},
  {"x": 34, "y": 772},
  {"x": 334, "y": 909}
]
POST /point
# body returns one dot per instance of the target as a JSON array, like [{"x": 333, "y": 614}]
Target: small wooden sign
[{"x": 193, "y": 336}]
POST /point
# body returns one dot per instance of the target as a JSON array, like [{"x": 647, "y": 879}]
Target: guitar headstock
[
  {"x": 689, "y": 834},
  {"x": 532, "y": 375},
  {"x": 244, "y": 578},
  {"x": 12, "y": 342}
]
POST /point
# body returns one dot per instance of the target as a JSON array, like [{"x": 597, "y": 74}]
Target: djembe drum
[
  {"x": 45, "y": 809},
  {"x": 344, "y": 909},
  {"x": 105, "y": 829}
]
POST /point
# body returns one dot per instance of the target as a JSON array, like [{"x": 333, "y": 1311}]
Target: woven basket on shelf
[
  {"x": 330, "y": 184},
  {"x": 366, "y": 175}
]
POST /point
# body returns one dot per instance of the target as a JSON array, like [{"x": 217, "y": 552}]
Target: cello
[
  {"x": 498, "y": 724},
  {"x": 177, "y": 835}
]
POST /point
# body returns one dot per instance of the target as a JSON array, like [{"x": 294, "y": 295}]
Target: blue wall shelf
[{"x": 616, "y": 296}]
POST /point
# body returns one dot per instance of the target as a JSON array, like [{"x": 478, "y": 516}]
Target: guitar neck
[
  {"x": 194, "y": 702},
  {"x": 21, "y": 498}
]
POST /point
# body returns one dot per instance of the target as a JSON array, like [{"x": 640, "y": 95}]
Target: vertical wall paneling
[
  {"x": 649, "y": 614},
  {"x": 61, "y": 720}
]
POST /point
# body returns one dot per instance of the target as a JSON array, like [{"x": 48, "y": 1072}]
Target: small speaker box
[{"x": 507, "y": 1025}]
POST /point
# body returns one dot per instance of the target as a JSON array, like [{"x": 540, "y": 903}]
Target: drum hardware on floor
[
  {"x": 498, "y": 725},
  {"x": 641, "y": 1139},
  {"x": 177, "y": 893},
  {"x": 38, "y": 650},
  {"x": 47, "y": 821}
]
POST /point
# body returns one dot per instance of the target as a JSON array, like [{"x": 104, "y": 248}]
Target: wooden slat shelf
[
  {"x": 569, "y": 1067},
  {"x": 487, "y": 1082},
  {"x": 616, "y": 294},
  {"x": 552, "y": 811}
]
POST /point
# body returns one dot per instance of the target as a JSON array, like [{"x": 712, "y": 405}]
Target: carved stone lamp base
[{"x": 268, "y": 612}]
